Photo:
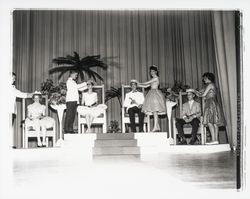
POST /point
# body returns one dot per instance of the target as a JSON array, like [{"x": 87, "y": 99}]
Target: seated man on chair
[
  {"x": 133, "y": 102},
  {"x": 191, "y": 112}
]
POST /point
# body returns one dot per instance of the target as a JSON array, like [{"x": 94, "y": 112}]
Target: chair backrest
[
  {"x": 99, "y": 89},
  {"x": 126, "y": 89},
  {"x": 183, "y": 99}
]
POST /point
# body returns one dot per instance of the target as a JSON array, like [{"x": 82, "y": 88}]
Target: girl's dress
[
  {"x": 154, "y": 100},
  {"x": 35, "y": 111},
  {"x": 89, "y": 99},
  {"x": 212, "y": 111}
]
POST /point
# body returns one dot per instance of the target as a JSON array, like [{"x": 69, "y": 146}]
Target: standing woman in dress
[
  {"x": 90, "y": 107},
  {"x": 212, "y": 113},
  {"x": 154, "y": 102}
]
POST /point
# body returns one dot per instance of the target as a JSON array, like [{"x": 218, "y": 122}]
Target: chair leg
[
  {"x": 26, "y": 141},
  {"x": 47, "y": 141},
  {"x": 148, "y": 120},
  {"x": 79, "y": 124},
  {"x": 123, "y": 127},
  {"x": 104, "y": 127}
]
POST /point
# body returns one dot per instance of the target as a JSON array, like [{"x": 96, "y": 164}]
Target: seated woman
[
  {"x": 37, "y": 119},
  {"x": 90, "y": 107}
]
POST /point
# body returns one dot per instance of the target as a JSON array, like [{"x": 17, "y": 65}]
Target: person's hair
[
  {"x": 133, "y": 83},
  {"x": 40, "y": 97},
  {"x": 91, "y": 82},
  {"x": 210, "y": 76},
  {"x": 155, "y": 69},
  {"x": 72, "y": 71}
]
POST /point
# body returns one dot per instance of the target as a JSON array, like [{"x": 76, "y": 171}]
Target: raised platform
[{"x": 82, "y": 147}]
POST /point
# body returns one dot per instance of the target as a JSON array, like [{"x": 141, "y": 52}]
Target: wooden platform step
[
  {"x": 115, "y": 143},
  {"x": 115, "y": 136},
  {"x": 116, "y": 150}
]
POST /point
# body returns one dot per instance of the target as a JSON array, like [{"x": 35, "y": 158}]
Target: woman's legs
[
  {"x": 43, "y": 134},
  {"x": 212, "y": 131},
  {"x": 216, "y": 131},
  {"x": 156, "y": 122},
  {"x": 37, "y": 129},
  {"x": 87, "y": 117}
]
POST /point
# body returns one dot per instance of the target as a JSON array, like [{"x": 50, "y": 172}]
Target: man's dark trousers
[
  {"x": 70, "y": 116},
  {"x": 194, "y": 123},
  {"x": 132, "y": 111}
]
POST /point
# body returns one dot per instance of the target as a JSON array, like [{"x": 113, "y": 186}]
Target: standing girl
[
  {"x": 212, "y": 112},
  {"x": 154, "y": 102}
]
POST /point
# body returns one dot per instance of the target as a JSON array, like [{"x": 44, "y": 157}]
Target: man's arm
[
  {"x": 82, "y": 86},
  {"x": 126, "y": 101},
  {"x": 184, "y": 112},
  {"x": 21, "y": 94}
]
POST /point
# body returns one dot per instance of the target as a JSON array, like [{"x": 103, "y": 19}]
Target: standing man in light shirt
[
  {"x": 191, "y": 113},
  {"x": 15, "y": 94},
  {"x": 133, "y": 102},
  {"x": 72, "y": 100}
]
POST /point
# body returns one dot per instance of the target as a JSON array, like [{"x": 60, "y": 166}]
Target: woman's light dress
[
  {"x": 89, "y": 99},
  {"x": 35, "y": 111},
  {"x": 154, "y": 100}
]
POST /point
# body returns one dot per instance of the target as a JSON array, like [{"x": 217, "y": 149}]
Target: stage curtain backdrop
[
  {"x": 181, "y": 43},
  {"x": 225, "y": 53}
]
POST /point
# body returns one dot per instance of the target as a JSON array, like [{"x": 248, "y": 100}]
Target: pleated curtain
[{"x": 181, "y": 43}]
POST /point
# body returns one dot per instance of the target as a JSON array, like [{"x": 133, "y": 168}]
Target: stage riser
[
  {"x": 116, "y": 150},
  {"x": 115, "y": 136},
  {"x": 115, "y": 143}
]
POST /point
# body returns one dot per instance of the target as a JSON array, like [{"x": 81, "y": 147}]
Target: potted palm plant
[
  {"x": 83, "y": 66},
  {"x": 57, "y": 100}
]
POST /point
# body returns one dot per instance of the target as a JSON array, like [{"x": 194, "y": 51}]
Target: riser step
[
  {"x": 116, "y": 150},
  {"x": 115, "y": 136},
  {"x": 116, "y": 157},
  {"x": 114, "y": 143}
]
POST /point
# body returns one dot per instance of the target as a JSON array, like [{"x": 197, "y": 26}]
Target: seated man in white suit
[
  {"x": 191, "y": 112},
  {"x": 133, "y": 102}
]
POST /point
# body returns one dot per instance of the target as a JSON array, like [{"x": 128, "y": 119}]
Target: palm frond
[
  {"x": 97, "y": 75},
  {"x": 112, "y": 93},
  {"x": 81, "y": 75},
  {"x": 61, "y": 68},
  {"x": 62, "y": 73},
  {"x": 63, "y": 60},
  {"x": 76, "y": 56}
]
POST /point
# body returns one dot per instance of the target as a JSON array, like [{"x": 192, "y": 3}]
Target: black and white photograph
[{"x": 124, "y": 101}]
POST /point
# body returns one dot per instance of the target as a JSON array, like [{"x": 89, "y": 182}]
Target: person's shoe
[
  {"x": 192, "y": 141},
  {"x": 183, "y": 142},
  {"x": 212, "y": 143}
]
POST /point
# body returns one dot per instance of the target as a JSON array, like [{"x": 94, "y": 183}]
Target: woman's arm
[
  {"x": 147, "y": 84},
  {"x": 29, "y": 115},
  {"x": 203, "y": 92},
  {"x": 83, "y": 99}
]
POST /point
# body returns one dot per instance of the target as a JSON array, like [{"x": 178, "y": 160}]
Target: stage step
[
  {"x": 115, "y": 136},
  {"x": 124, "y": 150},
  {"x": 115, "y": 143}
]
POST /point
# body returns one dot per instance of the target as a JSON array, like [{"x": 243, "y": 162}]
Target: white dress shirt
[
  {"x": 190, "y": 103},
  {"x": 16, "y": 94},
  {"x": 137, "y": 96},
  {"x": 72, "y": 90}
]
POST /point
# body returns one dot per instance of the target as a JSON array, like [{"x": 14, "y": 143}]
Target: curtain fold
[
  {"x": 179, "y": 42},
  {"x": 225, "y": 53}
]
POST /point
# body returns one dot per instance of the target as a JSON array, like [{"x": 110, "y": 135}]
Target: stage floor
[{"x": 40, "y": 174}]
